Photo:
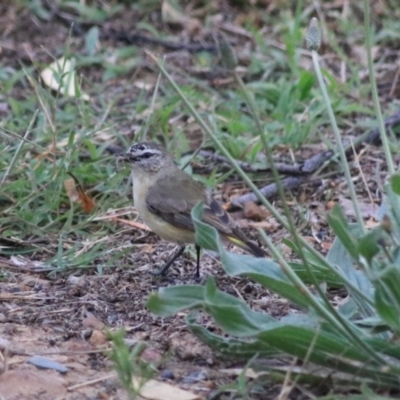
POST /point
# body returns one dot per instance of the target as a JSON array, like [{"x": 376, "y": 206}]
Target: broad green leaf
[
  {"x": 323, "y": 344},
  {"x": 387, "y": 297},
  {"x": 395, "y": 183},
  {"x": 370, "y": 244},
  {"x": 323, "y": 275},
  {"x": 373, "y": 325},
  {"x": 171, "y": 300},
  {"x": 231, "y": 346},
  {"x": 388, "y": 348},
  {"x": 230, "y": 313},
  {"x": 262, "y": 270},
  {"x": 393, "y": 204},
  {"x": 206, "y": 236},
  {"x": 337, "y": 221},
  {"x": 92, "y": 40}
]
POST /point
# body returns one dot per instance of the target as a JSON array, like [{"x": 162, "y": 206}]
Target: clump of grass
[{"x": 128, "y": 365}]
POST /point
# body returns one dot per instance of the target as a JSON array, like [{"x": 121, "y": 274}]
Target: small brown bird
[{"x": 164, "y": 196}]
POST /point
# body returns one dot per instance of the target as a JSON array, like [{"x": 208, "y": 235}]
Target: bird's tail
[{"x": 249, "y": 246}]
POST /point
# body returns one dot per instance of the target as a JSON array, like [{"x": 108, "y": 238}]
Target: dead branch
[
  {"x": 305, "y": 168},
  {"x": 312, "y": 164}
]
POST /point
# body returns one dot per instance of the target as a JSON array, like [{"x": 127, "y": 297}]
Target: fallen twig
[
  {"x": 314, "y": 163},
  {"x": 271, "y": 190},
  {"x": 305, "y": 168}
]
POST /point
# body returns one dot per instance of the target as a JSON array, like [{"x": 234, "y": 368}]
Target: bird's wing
[{"x": 172, "y": 199}]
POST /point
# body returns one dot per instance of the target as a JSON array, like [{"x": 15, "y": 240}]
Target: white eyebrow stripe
[
  {"x": 149, "y": 151},
  {"x": 138, "y": 153}
]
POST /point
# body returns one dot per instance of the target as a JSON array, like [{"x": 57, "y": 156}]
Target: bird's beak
[{"x": 122, "y": 157}]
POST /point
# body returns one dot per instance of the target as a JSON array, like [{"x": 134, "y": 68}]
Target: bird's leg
[
  {"x": 198, "y": 260},
  {"x": 163, "y": 270}
]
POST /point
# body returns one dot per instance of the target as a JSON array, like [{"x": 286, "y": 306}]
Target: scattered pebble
[
  {"x": 151, "y": 355},
  {"x": 167, "y": 374},
  {"x": 92, "y": 322},
  {"x": 254, "y": 212},
  {"x": 97, "y": 338},
  {"x": 195, "y": 377},
  {"x": 112, "y": 319},
  {"x": 77, "y": 281},
  {"x": 46, "y": 363}
]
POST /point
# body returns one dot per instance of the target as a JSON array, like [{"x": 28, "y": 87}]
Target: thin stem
[
  {"x": 338, "y": 139},
  {"x": 19, "y": 148},
  {"x": 374, "y": 90}
]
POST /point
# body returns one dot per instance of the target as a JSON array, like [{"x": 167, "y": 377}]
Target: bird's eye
[{"x": 146, "y": 155}]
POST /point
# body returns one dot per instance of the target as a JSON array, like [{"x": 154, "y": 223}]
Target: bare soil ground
[{"x": 65, "y": 317}]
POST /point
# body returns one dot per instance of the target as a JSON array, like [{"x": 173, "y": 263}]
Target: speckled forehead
[{"x": 139, "y": 149}]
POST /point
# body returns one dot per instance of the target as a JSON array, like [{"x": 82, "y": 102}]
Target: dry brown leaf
[
  {"x": 372, "y": 223},
  {"x": 326, "y": 245},
  {"x": 155, "y": 390},
  {"x": 330, "y": 204},
  {"x": 134, "y": 224},
  {"x": 97, "y": 338},
  {"x": 268, "y": 226},
  {"x": 367, "y": 210},
  {"x": 77, "y": 195},
  {"x": 253, "y": 211},
  {"x": 227, "y": 206},
  {"x": 91, "y": 321}
]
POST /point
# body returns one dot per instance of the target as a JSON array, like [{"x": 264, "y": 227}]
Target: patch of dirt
[{"x": 67, "y": 319}]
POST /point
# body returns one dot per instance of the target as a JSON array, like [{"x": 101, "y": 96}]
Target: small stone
[
  {"x": 151, "y": 355},
  {"x": 330, "y": 204},
  {"x": 92, "y": 322},
  {"x": 112, "y": 319},
  {"x": 97, "y": 338},
  {"x": 167, "y": 374},
  {"x": 195, "y": 377},
  {"x": 253, "y": 211},
  {"x": 10, "y": 329},
  {"x": 47, "y": 363},
  {"x": 77, "y": 344},
  {"x": 77, "y": 281}
]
